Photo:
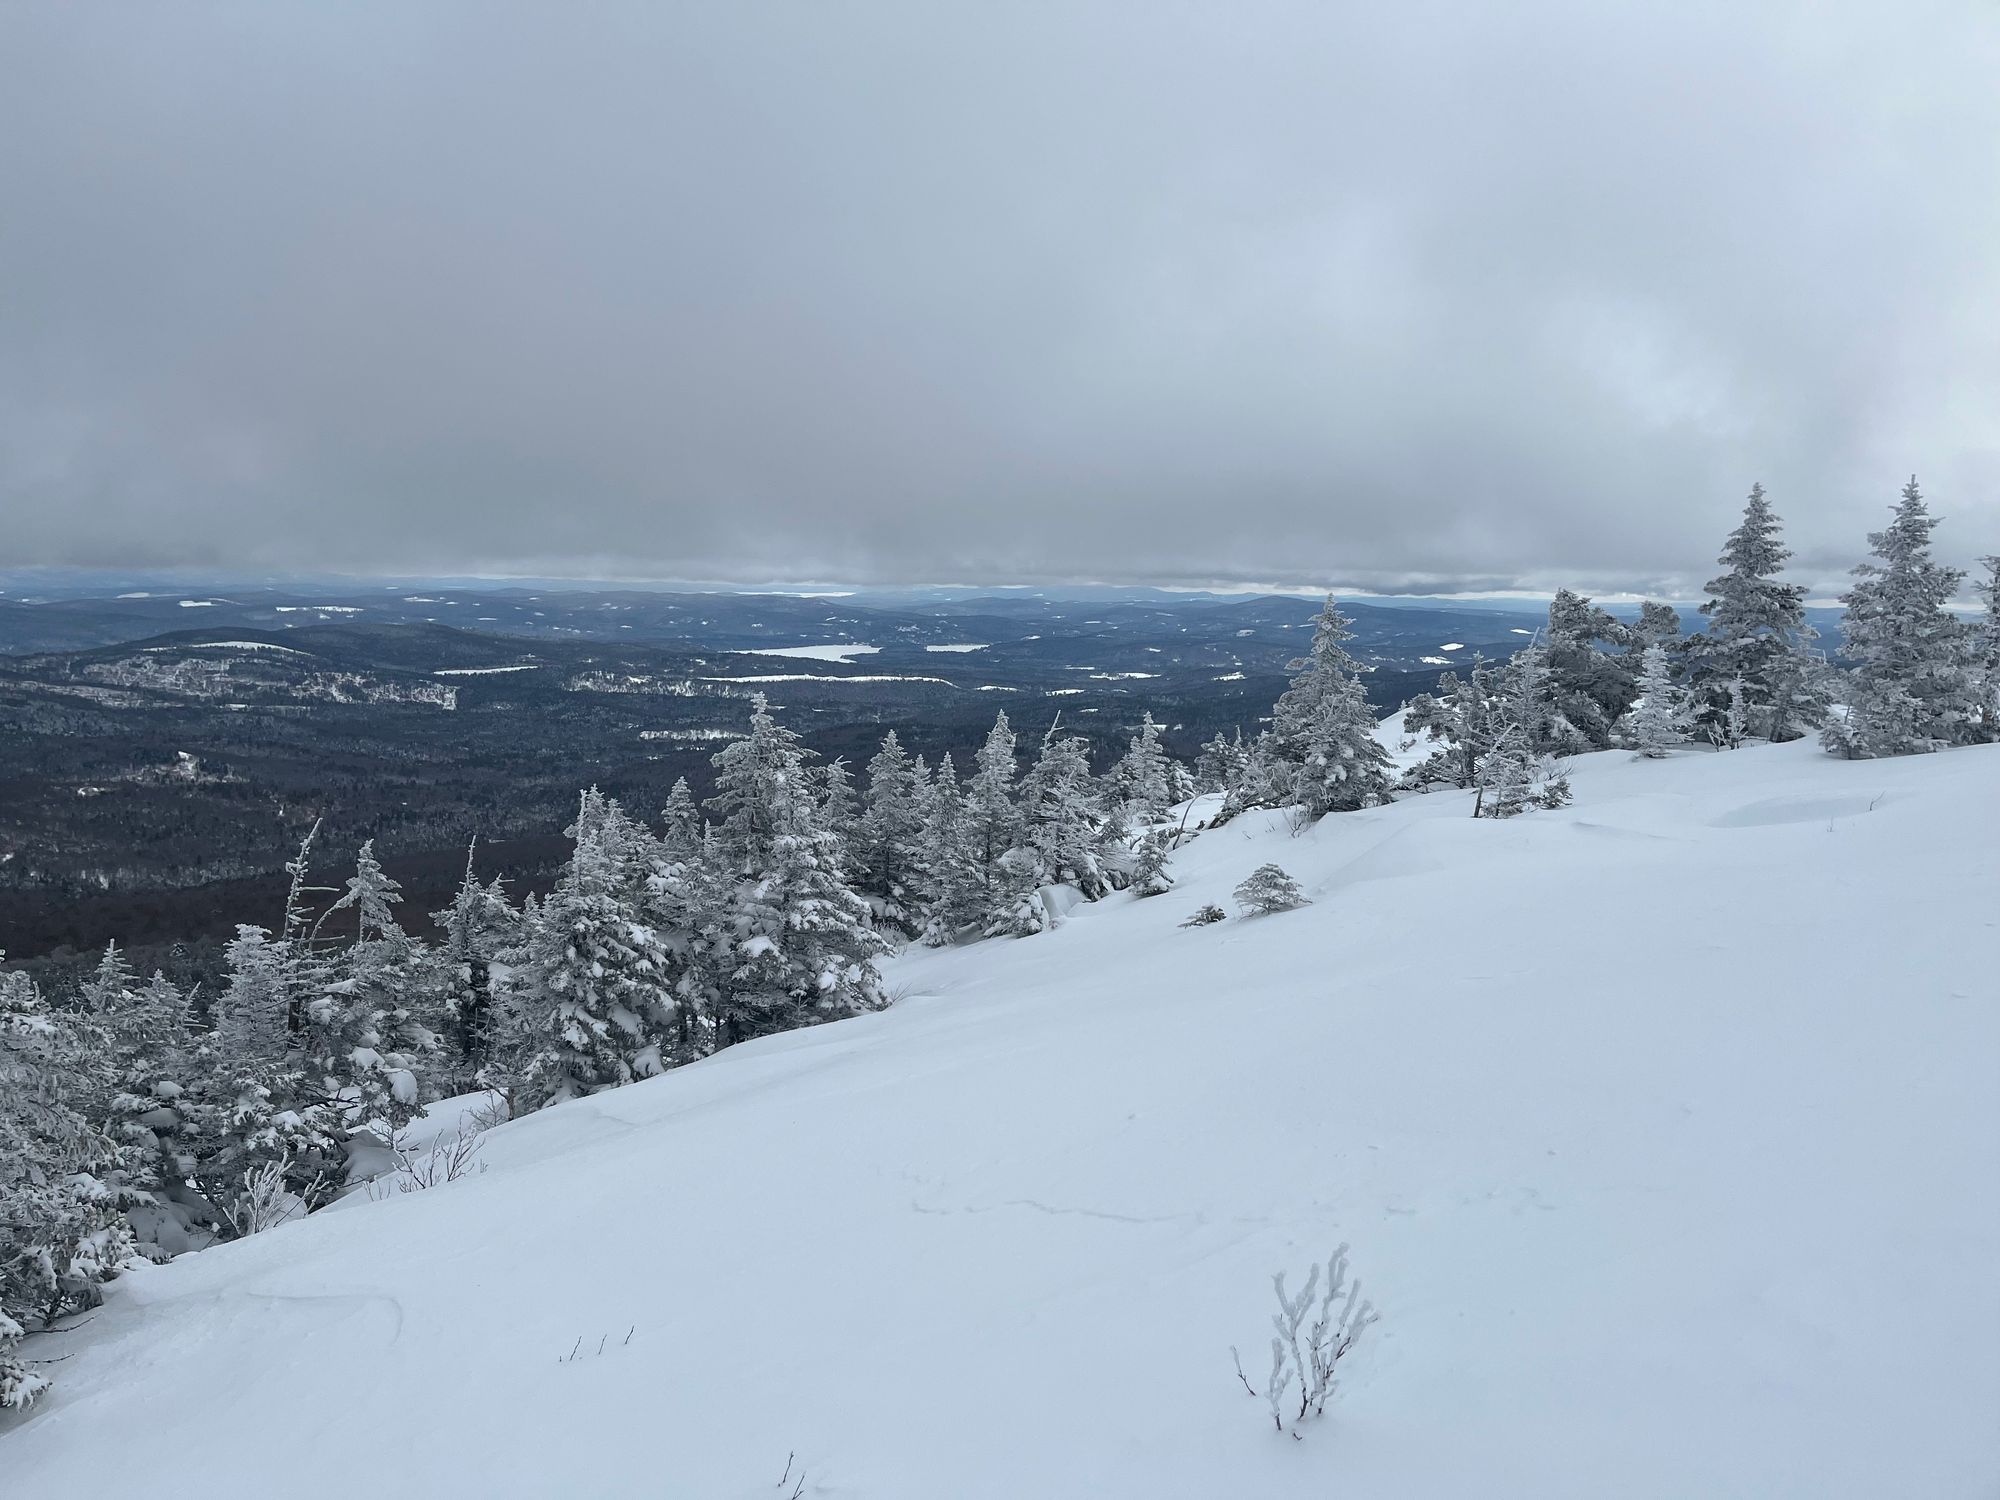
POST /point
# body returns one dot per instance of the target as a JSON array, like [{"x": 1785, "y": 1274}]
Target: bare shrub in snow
[
  {"x": 1305, "y": 1359},
  {"x": 1206, "y": 915},
  {"x": 497, "y": 1110},
  {"x": 449, "y": 1158},
  {"x": 265, "y": 1202},
  {"x": 1269, "y": 889}
]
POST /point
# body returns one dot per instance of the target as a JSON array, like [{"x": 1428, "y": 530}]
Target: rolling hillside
[{"x": 1663, "y": 1130}]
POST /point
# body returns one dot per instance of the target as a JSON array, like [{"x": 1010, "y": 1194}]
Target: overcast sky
[{"x": 1384, "y": 295}]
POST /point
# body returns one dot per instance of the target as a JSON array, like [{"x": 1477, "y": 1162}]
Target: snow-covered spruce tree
[
  {"x": 152, "y": 1060},
  {"x": 681, "y": 822},
  {"x": 1505, "y": 776},
  {"x": 1222, "y": 763},
  {"x": 594, "y": 999},
  {"x": 757, "y": 778},
  {"x": 1521, "y": 770},
  {"x": 1463, "y": 718},
  {"x": 252, "y": 1017},
  {"x": 1059, "y": 816},
  {"x": 110, "y": 985},
  {"x": 1987, "y": 649},
  {"x": 889, "y": 837},
  {"x": 368, "y": 1045},
  {"x": 1588, "y": 687},
  {"x": 1757, "y": 632},
  {"x": 365, "y": 1049},
  {"x": 254, "y": 1104},
  {"x": 1151, "y": 875},
  {"x": 478, "y": 927},
  {"x": 1538, "y": 706},
  {"x": 1322, "y": 729},
  {"x": 1658, "y": 720},
  {"x": 371, "y": 895},
  {"x": 1657, "y": 624},
  {"x": 1141, "y": 779},
  {"x": 839, "y": 808},
  {"x": 1913, "y": 688},
  {"x": 687, "y": 905},
  {"x": 954, "y": 889},
  {"x": 60, "y": 1232},
  {"x": 800, "y": 946},
  {"x": 1269, "y": 889},
  {"x": 992, "y": 822}
]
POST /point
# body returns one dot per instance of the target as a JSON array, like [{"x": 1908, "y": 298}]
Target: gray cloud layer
[{"x": 1386, "y": 294}]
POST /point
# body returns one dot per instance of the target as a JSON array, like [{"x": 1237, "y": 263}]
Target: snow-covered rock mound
[{"x": 1664, "y": 1130}]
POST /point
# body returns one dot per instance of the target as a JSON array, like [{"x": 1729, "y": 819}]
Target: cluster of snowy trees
[
  {"x": 1922, "y": 677},
  {"x": 135, "y": 1119},
  {"x": 1503, "y": 732}
]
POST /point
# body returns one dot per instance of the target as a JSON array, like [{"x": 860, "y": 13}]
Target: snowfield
[{"x": 1664, "y": 1130}]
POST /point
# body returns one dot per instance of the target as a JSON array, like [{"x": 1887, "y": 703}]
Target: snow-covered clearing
[
  {"x": 1663, "y": 1128},
  {"x": 840, "y": 653},
  {"x": 229, "y": 646},
  {"x": 964, "y": 646},
  {"x": 484, "y": 671}
]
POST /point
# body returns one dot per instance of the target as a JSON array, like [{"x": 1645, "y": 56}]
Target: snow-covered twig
[{"x": 1310, "y": 1354}]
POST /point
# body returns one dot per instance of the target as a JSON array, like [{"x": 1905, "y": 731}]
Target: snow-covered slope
[{"x": 1664, "y": 1130}]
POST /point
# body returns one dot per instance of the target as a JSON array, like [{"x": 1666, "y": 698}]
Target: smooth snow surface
[
  {"x": 1664, "y": 1130},
  {"x": 484, "y": 671},
  {"x": 1405, "y": 749},
  {"x": 962, "y": 646}
]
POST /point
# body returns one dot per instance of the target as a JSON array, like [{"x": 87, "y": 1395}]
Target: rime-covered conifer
[
  {"x": 60, "y": 1232},
  {"x": 1269, "y": 889},
  {"x": 109, "y": 988},
  {"x": 759, "y": 780},
  {"x": 1151, "y": 875},
  {"x": 888, "y": 857},
  {"x": 478, "y": 927},
  {"x": 681, "y": 822},
  {"x": 1587, "y": 687},
  {"x": 595, "y": 995},
  {"x": 1142, "y": 778},
  {"x": 1059, "y": 816},
  {"x": 1757, "y": 635},
  {"x": 1463, "y": 718},
  {"x": 992, "y": 822},
  {"x": 799, "y": 945},
  {"x": 954, "y": 889},
  {"x": 1913, "y": 687},
  {"x": 370, "y": 895},
  {"x": 1322, "y": 737},
  {"x": 1222, "y": 763},
  {"x": 839, "y": 807},
  {"x": 252, "y": 1015},
  {"x": 1658, "y": 720},
  {"x": 1986, "y": 650}
]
